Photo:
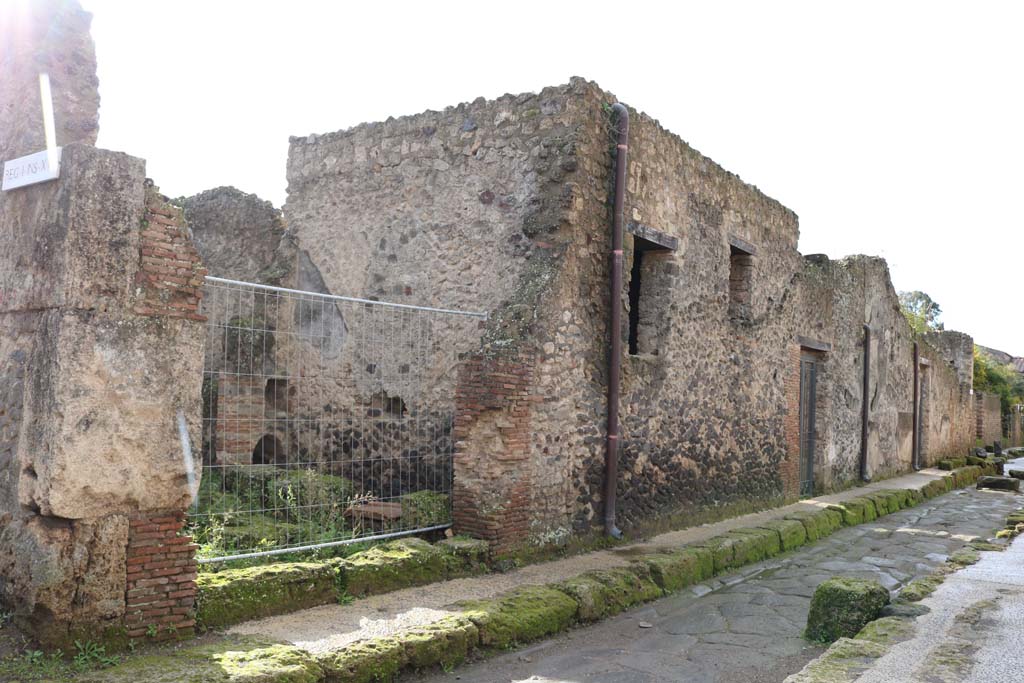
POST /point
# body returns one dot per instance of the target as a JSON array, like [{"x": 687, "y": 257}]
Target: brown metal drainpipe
[
  {"x": 866, "y": 406},
  {"x": 611, "y": 457},
  {"x": 917, "y": 408}
]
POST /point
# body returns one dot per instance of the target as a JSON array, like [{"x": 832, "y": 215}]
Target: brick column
[
  {"x": 161, "y": 589},
  {"x": 789, "y": 469},
  {"x": 492, "y": 449}
]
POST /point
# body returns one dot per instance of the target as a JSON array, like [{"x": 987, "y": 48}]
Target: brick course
[
  {"x": 161, "y": 577},
  {"x": 492, "y": 486},
  {"x": 169, "y": 280}
]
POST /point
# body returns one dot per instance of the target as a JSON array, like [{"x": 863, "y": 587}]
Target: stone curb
[
  {"x": 532, "y": 612},
  {"x": 232, "y": 596},
  {"x": 529, "y": 613}
]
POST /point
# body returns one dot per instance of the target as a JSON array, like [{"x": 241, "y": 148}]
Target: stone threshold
[{"x": 501, "y": 611}]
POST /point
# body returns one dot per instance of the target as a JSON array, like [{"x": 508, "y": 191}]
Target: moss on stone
[
  {"x": 903, "y": 497},
  {"x": 818, "y": 523},
  {"x": 950, "y": 464},
  {"x": 677, "y": 569},
  {"x": 602, "y": 593},
  {"x": 870, "y": 511},
  {"x": 919, "y": 589},
  {"x": 234, "y": 595},
  {"x": 464, "y": 556},
  {"x": 390, "y": 566},
  {"x": 935, "y": 487},
  {"x": 445, "y": 643},
  {"x": 964, "y": 557},
  {"x": 852, "y": 511},
  {"x": 791, "y": 533},
  {"x": 975, "y": 460},
  {"x": 979, "y": 544},
  {"x": 520, "y": 616},
  {"x": 841, "y": 606},
  {"x": 841, "y": 663},
  {"x": 722, "y": 551},
  {"x": 369, "y": 661},
  {"x": 234, "y": 660},
  {"x": 1014, "y": 518},
  {"x": 753, "y": 545},
  {"x": 886, "y": 630},
  {"x": 965, "y": 476}
]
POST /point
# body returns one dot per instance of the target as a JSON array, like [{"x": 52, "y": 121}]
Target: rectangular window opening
[
  {"x": 741, "y": 268},
  {"x": 646, "y": 314}
]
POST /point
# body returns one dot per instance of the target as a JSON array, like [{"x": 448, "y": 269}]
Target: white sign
[{"x": 35, "y": 168}]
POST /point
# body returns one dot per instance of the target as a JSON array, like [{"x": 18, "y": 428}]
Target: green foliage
[
  {"x": 261, "y": 507},
  {"x": 89, "y": 655},
  {"x": 921, "y": 311},
  {"x": 425, "y": 508},
  {"x": 1001, "y": 380}
]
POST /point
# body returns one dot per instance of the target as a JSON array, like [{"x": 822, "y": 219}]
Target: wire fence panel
[{"x": 326, "y": 420}]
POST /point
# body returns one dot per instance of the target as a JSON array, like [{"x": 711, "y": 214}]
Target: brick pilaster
[
  {"x": 789, "y": 469},
  {"x": 161, "y": 590},
  {"x": 491, "y": 496}
]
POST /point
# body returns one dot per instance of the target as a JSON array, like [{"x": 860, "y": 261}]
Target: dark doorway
[
  {"x": 808, "y": 427},
  {"x": 269, "y": 450},
  {"x": 646, "y": 276}
]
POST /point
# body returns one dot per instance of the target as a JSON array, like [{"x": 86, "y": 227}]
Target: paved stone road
[{"x": 746, "y": 627}]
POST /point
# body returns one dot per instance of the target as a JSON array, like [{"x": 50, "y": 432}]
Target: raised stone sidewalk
[{"x": 440, "y": 625}]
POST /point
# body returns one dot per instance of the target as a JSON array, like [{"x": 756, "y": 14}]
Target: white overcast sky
[{"x": 891, "y": 128}]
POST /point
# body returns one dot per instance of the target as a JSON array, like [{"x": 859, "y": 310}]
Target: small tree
[
  {"x": 921, "y": 311},
  {"x": 1001, "y": 380}
]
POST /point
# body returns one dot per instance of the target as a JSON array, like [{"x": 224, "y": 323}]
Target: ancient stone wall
[
  {"x": 957, "y": 350},
  {"x": 46, "y": 37},
  {"x": 718, "y": 307},
  {"x": 947, "y": 411},
  {"x": 1015, "y": 427},
  {"x": 989, "y": 425},
  {"x": 101, "y": 347},
  {"x": 104, "y": 359}
]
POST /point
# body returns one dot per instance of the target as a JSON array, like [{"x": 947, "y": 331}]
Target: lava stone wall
[{"x": 702, "y": 400}]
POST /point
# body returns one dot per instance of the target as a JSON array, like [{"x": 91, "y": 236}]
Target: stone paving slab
[{"x": 748, "y": 627}]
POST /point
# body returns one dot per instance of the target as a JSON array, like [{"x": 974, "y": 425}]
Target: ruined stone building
[
  {"x": 504, "y": 206},
  {"x": 750, "y": 374}
]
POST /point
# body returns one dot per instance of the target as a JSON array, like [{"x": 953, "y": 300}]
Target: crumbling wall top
[{"x": 52, "y": 37}]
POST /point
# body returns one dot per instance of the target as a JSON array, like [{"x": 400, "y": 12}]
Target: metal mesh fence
[{"x": 326, "y": 420}]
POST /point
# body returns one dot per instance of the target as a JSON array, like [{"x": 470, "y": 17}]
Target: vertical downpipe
[
  {"x": 865, "y": 406},
  {"x": 611, "y": 457},
  {"x": 917, "y": 407}
]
